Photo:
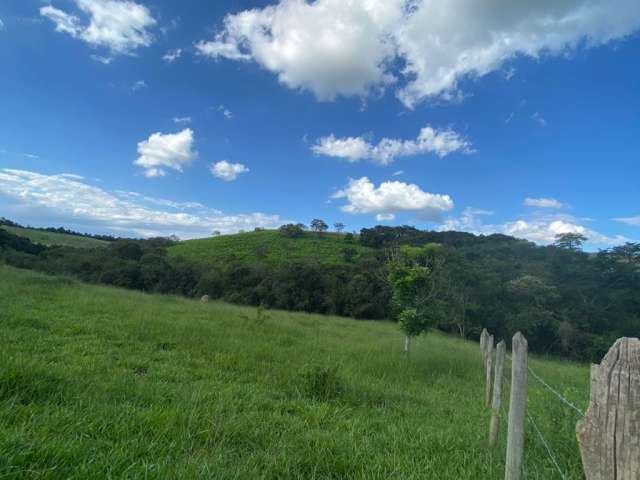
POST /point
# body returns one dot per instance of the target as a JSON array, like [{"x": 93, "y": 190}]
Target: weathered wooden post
[
  {"x": 497, "y": 395},
  {"x": 517, "y": 408},
  {"x": 488, "y": 370},
  {"x": 483, "y": 343},
  {"x": 609, "y": 433}
]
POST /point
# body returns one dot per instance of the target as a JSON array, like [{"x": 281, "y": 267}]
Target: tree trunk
[{"x": 407, "y": 344}]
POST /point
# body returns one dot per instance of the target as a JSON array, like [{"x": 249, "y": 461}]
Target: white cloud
[
  {"x": 541, "y": 229},
  {"x": 543, "y": 203},
  {"x": 182, "y": 120},
  {"x": 385, "y": 217},
  {"x": 633, "y": 221},
  {"x": 137, "y": 86},
  {"x": 392, "y": 197},
  {"x": 536, "y": 117},
  {"x": 429, "y": 140},
  {"x": 172, "y": 55},
  {"x": 228, "y": 171},
  {"x": 101, "y": 59},
  {"x": 118, "y": 25},
  {"x": 398, "y": 173},
  {"x": 329, "y": 47},
  {"x": 1, "y": 25},
  {"x": 228, "y": 114},
  {"x": 170, "y": 150},
  {"x": 338, "y": 47},
  {"x": 74, "y": 202}
]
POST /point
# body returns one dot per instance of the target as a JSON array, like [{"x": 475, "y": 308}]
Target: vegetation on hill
[
  {"x": 97, "y": 382},
  {"x": 565, "y": 301},
  {"x": 49, "y": 238},
  {"x": 271, "y": 246},
  {"x": 60, "y": 235}
]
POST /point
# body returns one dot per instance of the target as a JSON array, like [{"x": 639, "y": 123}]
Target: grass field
[
  {"x": 53, "y": 238},
  {"x": 267, "y": 245},
  {"x": 97, "y": 382}
]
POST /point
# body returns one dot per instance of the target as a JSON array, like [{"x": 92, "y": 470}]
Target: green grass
[
  {"x": 97, "y": 382},
  {"x": 53, "y": 238},
  {"x": 267, "y": 245}
]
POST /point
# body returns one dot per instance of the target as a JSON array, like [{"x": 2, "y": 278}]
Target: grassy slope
[
  {"x": 97, "y": 382},
  {"x": 327, "y": 248},
  {"x": 53, "y": 238}
]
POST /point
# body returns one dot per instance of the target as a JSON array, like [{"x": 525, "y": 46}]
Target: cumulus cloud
[
  {"x": 429, "y": 140},
  {"x": 161, "y": 151},
  {"x": 172, "y": 55},
  {"x": 543, "y": 203},
  {"x": 227, "y": 171},
  {"x": 338, "y": 47},
  {"x": 633, "y": 221},
  {"x": 391, "y": 197},
  {"x": 73, "y": 201},
  {"x": 329, "y": 47},
  {"x": 121, "y": 26},
  {"x": 541, "y": 229}
]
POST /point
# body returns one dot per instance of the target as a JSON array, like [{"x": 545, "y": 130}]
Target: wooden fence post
[
  {"x": 488, "y": 370},
  {"x": 609, "y": 433},
  {"x": 517, "y": 408},
  {"x": 497, "y": 395},
  {"x": 483, "y": 343}
]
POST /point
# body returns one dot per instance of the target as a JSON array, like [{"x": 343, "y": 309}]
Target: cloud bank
[
  {"x": 352, "y": 48},
  {"x": 72, "y": 200}
]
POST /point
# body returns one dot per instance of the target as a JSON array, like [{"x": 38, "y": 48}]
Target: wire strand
[
  {"x": 561, "y": 397},
  {"x": 546, "y": 445}
]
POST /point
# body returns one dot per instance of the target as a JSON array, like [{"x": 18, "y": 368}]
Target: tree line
[{"x": 567, "y": 302}]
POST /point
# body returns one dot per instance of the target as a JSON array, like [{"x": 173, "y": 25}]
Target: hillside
[
  {"x": 99, "y": 382},
  {"x": 269, "y": 246},
  {"x": 43, "y": 237}
]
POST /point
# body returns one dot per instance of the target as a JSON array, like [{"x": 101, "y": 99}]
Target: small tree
[
  {"x": 339, "y": 227},
  {"x": 570, "y": 241},
  {"x": 319, "y": 226},
  {"x": 413, "y": 280},
  {"x": 291, "y": 230}
]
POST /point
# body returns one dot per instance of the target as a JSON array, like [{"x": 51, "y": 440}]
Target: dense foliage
[{"x": 564, "y": 300}]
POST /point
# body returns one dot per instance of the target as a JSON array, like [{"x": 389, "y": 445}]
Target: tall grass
[{"x": 97, "y": 382}]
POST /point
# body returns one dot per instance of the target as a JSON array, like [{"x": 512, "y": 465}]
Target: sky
[{"x": 156, "y": 117}]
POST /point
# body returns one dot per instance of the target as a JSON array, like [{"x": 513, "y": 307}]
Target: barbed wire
[
  {"x": 561, "y": 397},
  {"x": 546, "y": 445}
]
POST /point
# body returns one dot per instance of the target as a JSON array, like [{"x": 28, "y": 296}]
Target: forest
[{"x": 566, "y": 301}]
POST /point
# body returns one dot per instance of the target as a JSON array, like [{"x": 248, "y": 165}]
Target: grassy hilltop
[
  {"x": 270, "y": 246},
  {"x": 55, "y": 239},
  {"x": 98, "y": 382}
]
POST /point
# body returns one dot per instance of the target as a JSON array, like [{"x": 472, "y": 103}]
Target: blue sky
[{"x": 158, "y": 117}]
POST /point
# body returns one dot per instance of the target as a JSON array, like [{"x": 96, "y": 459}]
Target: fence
[{"x": 608, "y": 433}]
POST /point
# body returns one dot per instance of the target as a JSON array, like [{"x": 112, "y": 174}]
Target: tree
[
  {"x": 339, "y": 227},
  {"x": 319, "y": 226},
  {"x": 291, "y": 230},
  {"x": 570, "y": 241},
  {"x": 412, "y": 276}
]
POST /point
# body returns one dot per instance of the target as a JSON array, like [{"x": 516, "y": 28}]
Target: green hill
[
  {"x": 55, "y": 239},
  {"x": 270, "y": 246},
  {"x": 97, "y": 382}
]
